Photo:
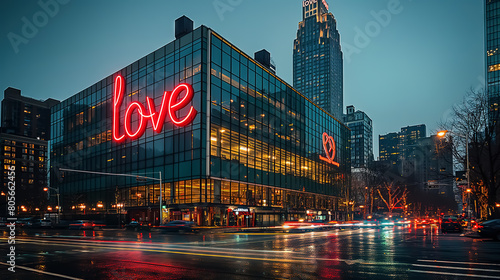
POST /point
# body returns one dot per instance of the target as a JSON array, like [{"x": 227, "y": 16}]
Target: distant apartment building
[
  {"x": 24, "y": 139},
  {"x": 361, "y": 128}
]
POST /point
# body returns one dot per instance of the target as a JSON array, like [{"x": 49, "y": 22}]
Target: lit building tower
[
  {"x": 317, "y": 58},
  {"x": 361, "y": 137},
  {"x": 492, "y": 32}
]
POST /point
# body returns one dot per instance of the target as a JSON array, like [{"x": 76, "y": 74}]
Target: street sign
[
  {"x": 140, "y": 179},
  {"x": 462, "y": 182}
]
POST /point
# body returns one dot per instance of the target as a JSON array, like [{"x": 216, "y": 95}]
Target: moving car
[
  {"x": 490, "y": 229},
  {"x": 450, "y": 223},
  {"x": 81, "y": 224},
  {"x": 179, "y": 226}
]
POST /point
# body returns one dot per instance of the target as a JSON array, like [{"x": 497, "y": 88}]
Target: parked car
[
  {"x": 24, "y": 222},
  {"x": 46, "y": 223},
  {"x": 450, "y": 223},
  {"x": 135, "y": 225},
  {"x": 81, "y": 224},
  {"x": 489, "y": 229},
  {"x": 179, "y": 226}
]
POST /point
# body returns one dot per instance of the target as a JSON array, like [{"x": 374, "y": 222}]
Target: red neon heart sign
[
  {"x": 329, "y": 146},
  {"x": 170, "y": 104}
]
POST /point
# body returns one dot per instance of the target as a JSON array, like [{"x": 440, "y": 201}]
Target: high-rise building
[
  {"x": 492, "y": 33},
  {"x": 23, "y": 141},
  {"x": 361, "y": 137},
  {"x": 432, "y": 174},
  {"x": 409, "y": 136},
  {"x": 317, "y": 58},
  {"x": 389, "y": 148},
  {"x": 398, "y": 148}
]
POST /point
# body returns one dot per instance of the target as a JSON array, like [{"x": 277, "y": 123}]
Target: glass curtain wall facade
[
  {"x": 492, "y": 34},
  {"x": 249, "y": 157}
]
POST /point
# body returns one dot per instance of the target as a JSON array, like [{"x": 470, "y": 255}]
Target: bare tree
[
  {"x": 472, "y": 119},
  {"x": 392, "y": 195}
]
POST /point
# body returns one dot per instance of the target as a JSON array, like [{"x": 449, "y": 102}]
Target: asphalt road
[{"x": 390, "y": 253}]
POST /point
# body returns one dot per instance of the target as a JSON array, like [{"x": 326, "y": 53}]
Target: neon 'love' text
[{"x": 170, "y": 104}]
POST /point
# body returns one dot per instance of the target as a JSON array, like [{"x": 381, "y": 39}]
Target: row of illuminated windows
[
  {"x": 270, "y": 132},
  {"x": 228, "y": 193},
  {"x": 269, "y": 125},
  {"x": 232, "y": 146},
  {"x": 249, "y": 92}
]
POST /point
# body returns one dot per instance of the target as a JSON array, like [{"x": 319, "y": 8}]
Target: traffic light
[{"x": 164, "y": 206}]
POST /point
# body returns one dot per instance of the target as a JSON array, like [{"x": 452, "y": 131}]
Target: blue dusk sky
[{"x": 406, "y": 62}]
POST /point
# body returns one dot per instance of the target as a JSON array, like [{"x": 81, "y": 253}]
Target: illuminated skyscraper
[{"x": 317, "y": 58}]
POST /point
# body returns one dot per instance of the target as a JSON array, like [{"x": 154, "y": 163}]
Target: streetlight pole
[
  {"x": 469, "y": 222},
  {"x": 467, "y": 170},
  {"x": 58, "y": 204},
  {"x": 161, "y": 201}
]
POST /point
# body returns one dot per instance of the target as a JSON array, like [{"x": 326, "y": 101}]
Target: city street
[{"x": 383, "y": 253}]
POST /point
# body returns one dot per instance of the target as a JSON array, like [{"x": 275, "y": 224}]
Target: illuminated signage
[
  {"x": 169, "y": 105},
  {"x": 325, "y": 4},
  {"x": 329, "y": 146},
  {"x": 308, "y": 2}
]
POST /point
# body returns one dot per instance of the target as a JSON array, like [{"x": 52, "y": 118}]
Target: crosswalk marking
[
  {"x": 455, "y": 274},
  {"x": 455, "y": 267},
  {"x": 480, "y": 270},
  {"x": 472, "y": 263}
]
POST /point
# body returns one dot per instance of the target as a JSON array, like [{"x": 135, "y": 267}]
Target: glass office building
[
  {"x": 492, "y": 43},
  {"x": 247, "y": 149}
]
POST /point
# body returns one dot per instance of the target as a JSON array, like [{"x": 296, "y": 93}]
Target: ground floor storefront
[
  {"x": 228, "y": 215},
  {"x": 210, "y": 202}
]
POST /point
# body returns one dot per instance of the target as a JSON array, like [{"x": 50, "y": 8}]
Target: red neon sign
[
  {"x": 169, "y": 104},
  {"x": 329, "y": 146}
]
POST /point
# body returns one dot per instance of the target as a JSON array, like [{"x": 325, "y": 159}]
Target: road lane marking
[
  {"x": 159, "y": 250},
  {"x": 44, "y": 272},
  {"x": 202, "y": 251},
  {"x": 455, "y": 262},
  {"x": 151, "y": 246},
  {"x": 459, "y": 268},
  {"x": 454, "y": 274}
]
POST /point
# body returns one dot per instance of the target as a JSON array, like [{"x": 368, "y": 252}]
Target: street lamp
[
  {"x": 466, "y": 136},
  {"x": 58, "y": 204}
]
